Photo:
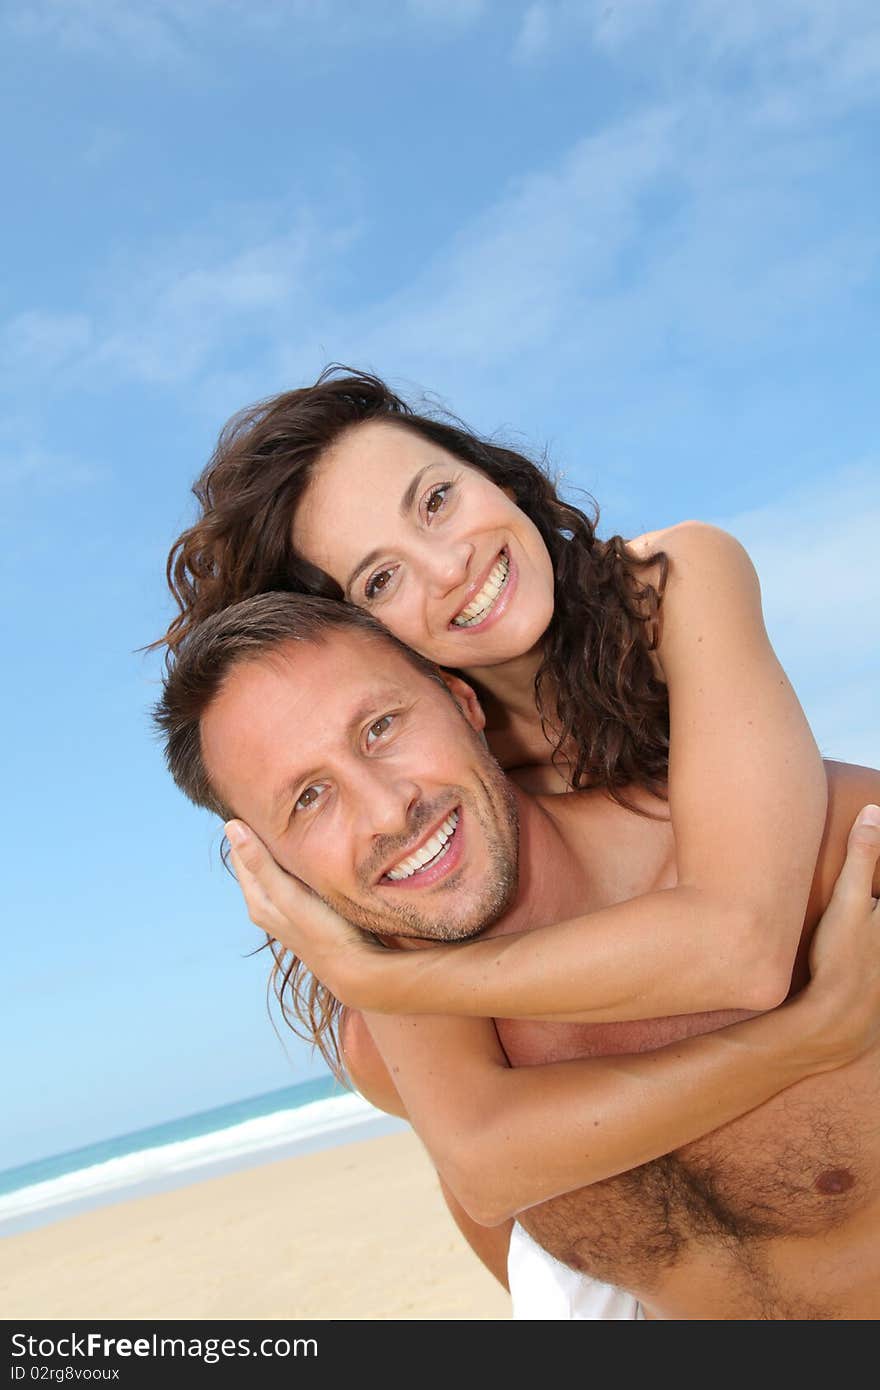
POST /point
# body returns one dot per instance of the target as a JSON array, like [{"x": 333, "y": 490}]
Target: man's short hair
[{"x": 245, "y": 632}]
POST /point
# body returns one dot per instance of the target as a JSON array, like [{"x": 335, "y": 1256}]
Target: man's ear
[{"x": 466, "y": 698}]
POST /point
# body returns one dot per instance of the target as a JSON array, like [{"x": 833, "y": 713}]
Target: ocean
[{"x": 296, "y": 1119}]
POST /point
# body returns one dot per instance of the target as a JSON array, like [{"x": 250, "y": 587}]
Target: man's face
[{"x": 367, "y": 781}]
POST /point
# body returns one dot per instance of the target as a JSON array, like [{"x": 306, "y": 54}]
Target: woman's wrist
[
  {"x": 372, "y": 977},
  {"x": 817, "y": 1038}
]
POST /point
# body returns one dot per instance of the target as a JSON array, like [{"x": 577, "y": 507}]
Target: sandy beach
[{"x": 359, "y": 1231}]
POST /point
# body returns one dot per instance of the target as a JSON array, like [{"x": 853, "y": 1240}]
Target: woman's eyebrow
[
  {"x": 406, "y": 502},
  {"x": 365, "y": 563},
  {"x": 409, "y": 495}
]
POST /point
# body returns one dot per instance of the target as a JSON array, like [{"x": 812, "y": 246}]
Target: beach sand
[{"x": 359, "y": 1231}]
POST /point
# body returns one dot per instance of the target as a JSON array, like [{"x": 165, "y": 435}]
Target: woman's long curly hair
[{"x": 603, "y": 709}]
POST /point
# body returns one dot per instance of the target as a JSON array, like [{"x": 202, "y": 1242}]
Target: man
[{"x": 365, "y": 778}]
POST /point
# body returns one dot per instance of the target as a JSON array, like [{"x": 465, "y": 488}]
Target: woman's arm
[
  {"x": 508, "y": 1138},
  {"x": 747, "y": 787},
  {"x": 747, "y": 797}
]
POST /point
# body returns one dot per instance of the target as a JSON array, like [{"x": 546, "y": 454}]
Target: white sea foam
[{"x": 281, "y": 1129}]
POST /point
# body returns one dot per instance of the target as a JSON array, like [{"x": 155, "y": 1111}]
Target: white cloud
[
  {"x": 36, "y": 471},
  {"x": 788, "y": 59},
  {"x": 181, "y": 34},
  {"x": 458, "y": 13},
  {"x": 573, "y": 271},
  {"x": 568, "y": 270},
  {"x": 812, "y": 548},
  {"x": 226, "y": 293},
  {"x": 184, "y": 315},
  {"x": 507, "y": 281},
  {"x": 38, "y": 341},
  {"x": 815, "y": 552},
  {"x": 797, "y": 54},
  {"x": 674, "y": 237},
  {"x": 101, "y": 146},
  {"x": 534, "y": 36},
  {"x": 844, "y": 719},
  {"x": 669, "y": 239},
  {"x": 144, "y": 31},
  {"x": 249, "y": 298}
]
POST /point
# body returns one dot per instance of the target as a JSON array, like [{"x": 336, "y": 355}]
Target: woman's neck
[
  {"x": 516, "y": 734},
  {"x": 507, "y": 691}
]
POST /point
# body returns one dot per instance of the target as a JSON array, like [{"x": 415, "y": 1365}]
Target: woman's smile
[
  {"x": 479, "y": 604},
  {"x": 492, "y": 599},
  {"x": 456, "y": 570}
]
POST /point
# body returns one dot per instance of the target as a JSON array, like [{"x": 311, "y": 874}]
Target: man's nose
[
  {"x": 385, "y": 800},
  {"x": 448, "y": 566}
]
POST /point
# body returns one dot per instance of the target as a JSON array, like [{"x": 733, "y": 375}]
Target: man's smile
[{"x": 438, "y": 851}]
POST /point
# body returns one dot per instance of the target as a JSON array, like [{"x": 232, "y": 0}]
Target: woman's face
[{"x": 427, "y": 545}]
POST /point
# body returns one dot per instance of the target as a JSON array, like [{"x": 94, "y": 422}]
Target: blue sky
[{"x": 642, "y": 234}]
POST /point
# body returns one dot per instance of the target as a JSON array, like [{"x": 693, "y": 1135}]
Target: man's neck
[
  {"x": 555, "y": 874},
  {"x": 578, "y": 853}
]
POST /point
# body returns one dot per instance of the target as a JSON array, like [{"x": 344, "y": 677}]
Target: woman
[{"x": 465, "y": 551}]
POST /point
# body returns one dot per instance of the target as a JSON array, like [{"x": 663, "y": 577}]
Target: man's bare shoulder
[
  {"x": 364, "y": 1065},
  {"x": 850, "y": 787}
]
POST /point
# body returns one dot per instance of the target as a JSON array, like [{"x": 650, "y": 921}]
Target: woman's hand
[
  {"x": 841, "y": 1005},
  {"x": 344, "y": 958},
  {"x": 506, "y": 1138}
]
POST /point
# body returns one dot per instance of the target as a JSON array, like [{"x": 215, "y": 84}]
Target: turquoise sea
[{"x": 312, "y": 1114}]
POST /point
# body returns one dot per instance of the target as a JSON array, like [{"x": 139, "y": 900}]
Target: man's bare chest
[{"x": 801, "y": 1166}]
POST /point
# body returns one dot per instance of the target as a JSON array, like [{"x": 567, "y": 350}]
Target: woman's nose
[{"x": 448, "y": 566}]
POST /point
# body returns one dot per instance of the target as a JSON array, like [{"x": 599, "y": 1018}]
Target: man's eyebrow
[
  {"x": 406, "y": 502},
  {"x": 285, "y": 792}
]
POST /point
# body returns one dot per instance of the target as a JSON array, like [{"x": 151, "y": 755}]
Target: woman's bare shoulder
[{"x": 670, "y": 537}]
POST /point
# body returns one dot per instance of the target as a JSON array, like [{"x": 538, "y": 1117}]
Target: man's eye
[
  {"x": 379, "y": 727},
  {"x": 307, "y": 798},
  {"x": 377, "y": 582},
  {"x": 436, "y": 499}
]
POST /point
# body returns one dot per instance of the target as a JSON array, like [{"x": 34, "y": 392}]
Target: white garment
[{"x": 541, "y": 1287}]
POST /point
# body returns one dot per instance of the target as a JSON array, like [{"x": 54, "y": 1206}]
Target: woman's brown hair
[{"x": 603, "y": 709}]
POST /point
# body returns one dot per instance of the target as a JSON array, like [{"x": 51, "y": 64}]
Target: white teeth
[
  {"x": 430, "y": 850},
  {"x": 475, "y": 611}
]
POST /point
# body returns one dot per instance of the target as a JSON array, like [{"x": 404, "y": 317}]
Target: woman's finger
[
  {"x": 255, "y": 900},
  {"x": 855, "y": 879},
  {"x": 259, "y": 873},
  {"x": 288, "y": 910},
  {"x": 249, "y": 850}
]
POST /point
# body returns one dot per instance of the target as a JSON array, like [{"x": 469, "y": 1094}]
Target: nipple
[{"x": 834, "y": 1181}]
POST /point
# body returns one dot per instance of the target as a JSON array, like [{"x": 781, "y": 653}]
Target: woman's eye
[
  {"x": 377, "y": 583},
  {"x": 307, "y": 798},
  {"x": 379, "y": 727},
  {"x": 436, "y": 498}
]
